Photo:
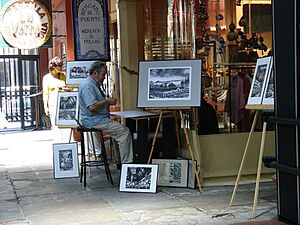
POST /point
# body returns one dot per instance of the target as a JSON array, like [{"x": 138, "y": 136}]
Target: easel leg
[
  {"x": 261, "y": 152},
  {"x": 177, "y": 134},
  {"x": 70, "y": 137},
  {"x": 243, "y": 160},
  {"x": 155, "y": 136},
  {"x": 191, "y": 152}
]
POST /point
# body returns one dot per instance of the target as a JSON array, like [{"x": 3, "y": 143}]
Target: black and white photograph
[
  {"x": 268, "y": 98},
  {"x": 172, "y": 172},
  {"x": 65, "y": 160},
  {"x": 170, "y": 83},
  {"x": 67, "y": 109},
  {"x": 259, "y": 81},
  {"x": 138, "y": 178},
  {"x": 261, "y": 74},
  {"x": 77, "y": 71}
]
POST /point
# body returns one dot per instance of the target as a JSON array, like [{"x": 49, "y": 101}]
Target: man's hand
[{"x": 111, "y": 101}]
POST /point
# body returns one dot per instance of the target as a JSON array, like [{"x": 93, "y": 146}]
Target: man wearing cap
[{"x": 94, "y": 111}]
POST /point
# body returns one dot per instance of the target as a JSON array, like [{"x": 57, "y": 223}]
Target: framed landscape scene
[
  {"x": 262, "y": 71},
  {"x": 77, "y": 71},
  {"x": 171, "y": 83},
  {"x": 65, "y": 160},
  {"x": 172, "y": 172},
  {"x": 67, "y": 109},
  {"x": 138, "y": 178}
]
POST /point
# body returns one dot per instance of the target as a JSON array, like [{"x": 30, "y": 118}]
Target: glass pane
[{"x": 30, "y": 86}]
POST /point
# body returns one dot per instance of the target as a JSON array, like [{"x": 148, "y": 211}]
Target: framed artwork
[
  {"x": 65, "y": 160},
  {"x": 191, "y": 173},
  {"x": 172, "y": 172},
  {"x": 172, "y": 83},
  {"x": 268, "y": 98},
  {"x": 138, "y": 178},
  {"x": 90, "y": 19},
  {"x": 77, "y": 71},
  {"x": 262, "y": 71},
  {"x": 67, "y": 109}
]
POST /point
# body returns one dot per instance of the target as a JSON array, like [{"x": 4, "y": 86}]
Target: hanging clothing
[
  {"x": 245, "y": 124},
  {"x": 208, "y": 121},
  {"x": 235, "y": 103}
]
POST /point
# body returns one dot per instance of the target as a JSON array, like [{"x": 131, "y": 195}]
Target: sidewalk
[{"x": 30, "y": 195}]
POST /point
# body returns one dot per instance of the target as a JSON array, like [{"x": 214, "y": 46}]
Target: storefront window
[
  {"x": 200, "y": 29},
  {"x": 169, "y": 29}
]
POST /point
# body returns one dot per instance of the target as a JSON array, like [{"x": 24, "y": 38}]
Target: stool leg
[
  {"x": 106, "y": 165},
  {"x": 93, "y": 145},
  {"x": 88, "y": 139},
  {"x": 82, "y": 164}
]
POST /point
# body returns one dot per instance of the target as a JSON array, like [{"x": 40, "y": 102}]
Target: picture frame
[
  {"x": 67, "y": 109},
  {"x": 65, "y": 160},
  {"x": 261, "y": 74},
  {"x": 269, "y": 94},
  {"x": 172, "y": 172},
  {"x": 192, "y": 175},
  {"x": 138, "y": 178},
  {"x": 77, "y": 71},
  {"x": 169, "y": 83},
  {"x": 91, "y": 35}
]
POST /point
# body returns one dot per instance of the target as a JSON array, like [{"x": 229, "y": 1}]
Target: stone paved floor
[{"x": 30, "y": 195}]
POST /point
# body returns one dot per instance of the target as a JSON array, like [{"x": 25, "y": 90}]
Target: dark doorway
[{"x": 19, "y": 79}]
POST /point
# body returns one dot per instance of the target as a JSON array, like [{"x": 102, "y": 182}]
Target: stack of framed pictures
[
  {"x": 172, "y": 172},
  {"x": 262, "y": 87}
]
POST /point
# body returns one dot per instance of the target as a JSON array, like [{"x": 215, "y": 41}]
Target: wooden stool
[{"x": 92, "y": 163}]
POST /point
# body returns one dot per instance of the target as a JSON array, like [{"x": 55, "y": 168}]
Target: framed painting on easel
[
  {"x": 171, "y": 83},
  {"x": 268, "y": 97},
  {"x": 67, "y": 109},
  {"x": 261, "y": 74},
  {"x": 77, "y": 71}
]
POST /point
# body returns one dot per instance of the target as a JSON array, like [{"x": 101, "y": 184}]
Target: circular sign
[{"x": 26, "y": 24}]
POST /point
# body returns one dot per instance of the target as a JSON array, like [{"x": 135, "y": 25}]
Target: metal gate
[{"x": 19, "y": 78}]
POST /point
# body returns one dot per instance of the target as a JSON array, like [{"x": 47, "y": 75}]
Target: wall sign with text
[
  {"x": 25, "y": 24},
  {"x": 91, "y": 30}
]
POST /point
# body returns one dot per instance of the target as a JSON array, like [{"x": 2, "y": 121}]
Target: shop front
[{"x": 227, "y": 36}]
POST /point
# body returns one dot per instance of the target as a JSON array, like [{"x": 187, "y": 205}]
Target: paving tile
[{"x": 30, "y": 195}]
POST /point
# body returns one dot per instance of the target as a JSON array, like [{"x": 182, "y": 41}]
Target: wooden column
[{"x": 130, "y": 33}]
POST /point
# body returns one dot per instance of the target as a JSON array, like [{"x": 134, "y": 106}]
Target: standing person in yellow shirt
[{"x": 52, "y": 83}]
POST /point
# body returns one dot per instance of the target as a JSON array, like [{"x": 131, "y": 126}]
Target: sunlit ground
[{"x": 21, "y": 148}]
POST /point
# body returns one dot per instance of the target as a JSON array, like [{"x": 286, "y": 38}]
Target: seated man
[{"x": 94, "y": 111}]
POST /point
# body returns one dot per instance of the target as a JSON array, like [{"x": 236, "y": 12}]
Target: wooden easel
[
  {"x": 261, "y": 152},
  {"x": 197, "y": 171}
]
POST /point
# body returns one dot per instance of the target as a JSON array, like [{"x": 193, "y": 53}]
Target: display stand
[
  {"x": 197, "y": 171},
  {"x": 257, "y": 109}
]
